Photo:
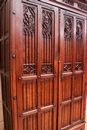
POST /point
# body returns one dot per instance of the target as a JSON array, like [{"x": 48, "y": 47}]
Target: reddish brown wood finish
[{"x": 44, "y": 66}]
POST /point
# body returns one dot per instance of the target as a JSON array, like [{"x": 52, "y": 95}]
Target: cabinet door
[
  {"x": 37, "y": 68},
  {"x": 71, "y": 87}
]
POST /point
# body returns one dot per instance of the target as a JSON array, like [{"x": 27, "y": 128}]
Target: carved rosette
[
  {"x": 70, "y": 2},
  {"x": 68, "y": 28},
  {"x": 46, "y": 23},
  {"x": 79, "y": 30},
  {"x": 29, "y": 20}
]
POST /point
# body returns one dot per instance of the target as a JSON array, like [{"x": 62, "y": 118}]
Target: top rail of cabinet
[{"x": 77, "y": 6}]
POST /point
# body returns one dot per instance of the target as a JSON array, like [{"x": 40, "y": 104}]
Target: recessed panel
[
  {"x": 29, "y": 94},
  {"x": 30, "y": 123},
  {"x": 47, "y": 120},
  {"x": 47, "y": 92},
  {"x": 78, "y": 85},
  {"x": 77, "y": 110},
  {"x": 66, "y": 115},
  {"x": 66, "y": 88}
]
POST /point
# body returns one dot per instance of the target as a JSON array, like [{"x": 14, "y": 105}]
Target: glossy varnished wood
[{"x": 43, "y": 64}]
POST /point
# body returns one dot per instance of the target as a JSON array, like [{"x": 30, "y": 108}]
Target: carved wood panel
[
  {"x": 38, "y": 88},
  {"x": 47, "y": 41},
  {"x": 72, "y": 66},
  {"x": 79, "y": 44},
  {"x": 47, "y": 92},
  {"x": 29, "y": 41},
  {"x": 68, "y": 24}
]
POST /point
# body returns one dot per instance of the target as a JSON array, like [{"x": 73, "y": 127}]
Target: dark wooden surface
[{"x": 44, "y": 67}]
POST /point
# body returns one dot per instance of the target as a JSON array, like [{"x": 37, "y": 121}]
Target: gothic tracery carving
[
  {"x": 46, "y": 68},
  {"x": 29, "y": 20},
  {"x": 79, "y": 30},
  {"x": 78, "y": 66},
  {"x": 67, "y": 67},
  {"x": 29, "y": 68},
  {"x": 68, "y": 28},
  {"x": 46, "y": 23}
]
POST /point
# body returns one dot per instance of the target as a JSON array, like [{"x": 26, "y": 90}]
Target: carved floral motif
[
  {"x": 68, "y": 28},
  {"x": 29, "y": 20},
  {"x": 70, "y": 2},
  {"x": 79, "y": 30},
  {"x": 46, "y": 23}
]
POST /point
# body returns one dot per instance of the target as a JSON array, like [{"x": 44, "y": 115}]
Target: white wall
[{"x": 1, "y": 109}]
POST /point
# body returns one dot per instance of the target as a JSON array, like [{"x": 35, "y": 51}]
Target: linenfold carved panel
[
  {"x": 79, "y": 30},
  {"x": 29, "y": 92},
  {"x": 29, "y": 20}
]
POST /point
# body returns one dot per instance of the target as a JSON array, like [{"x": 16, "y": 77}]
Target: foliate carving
[
  {"x": 29, "y": 68},
  {"x": 67, "y": 67},
  {"x": 68, "y": 27},
  {"x": 29, "y": 20},
  {"x": 79, "y": 30},
  {"x": 83, "y": 7},
  {"x": 46, "y": 23},
  {"x": 78, "y": 66},
  {"x": 70, "y": 2},
  {"x": 47, "y": 68}
]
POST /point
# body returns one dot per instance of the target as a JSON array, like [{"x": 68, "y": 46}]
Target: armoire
[{"x": 43, "y": 64}]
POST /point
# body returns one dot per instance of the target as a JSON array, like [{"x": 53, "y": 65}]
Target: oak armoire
[{"x": 43, "y": 64}]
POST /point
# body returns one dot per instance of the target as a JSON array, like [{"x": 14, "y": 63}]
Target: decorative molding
[
  {"x": 78, "y": 66},
  {"x": 79, "y": 30},
  {"x": 29, "y": 69},
  {"x": 67, "y": 67},
  {"x": 46, "y": 23},
  {"x": 70, "y": 2},
  {"x": 68, "y": 27},
  {"x": 29, "y": 20},
  {"x": 47, "y": 68}
]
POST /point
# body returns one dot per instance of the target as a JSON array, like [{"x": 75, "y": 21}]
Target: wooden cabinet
[{"x": 43, "y": 64}]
